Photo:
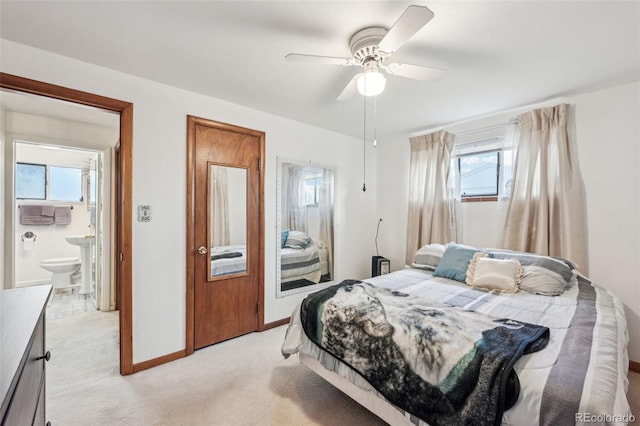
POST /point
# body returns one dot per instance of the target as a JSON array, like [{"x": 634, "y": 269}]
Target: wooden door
[{"x": 227, "y": 230}]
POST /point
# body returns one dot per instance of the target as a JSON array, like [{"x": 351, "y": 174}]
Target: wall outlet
[{"x": 144, "y": 213}]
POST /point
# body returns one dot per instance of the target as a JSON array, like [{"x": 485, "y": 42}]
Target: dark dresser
[{"x": 23, "y": 355}]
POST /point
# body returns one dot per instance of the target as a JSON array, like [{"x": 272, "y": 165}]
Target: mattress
[{"x": 581, "y": 372}]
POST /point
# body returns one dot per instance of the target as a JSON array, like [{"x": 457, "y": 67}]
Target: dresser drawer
[{"x": 23, "y": 404}]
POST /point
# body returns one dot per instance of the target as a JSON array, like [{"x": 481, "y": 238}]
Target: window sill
[{"x": 479, "y": 199}]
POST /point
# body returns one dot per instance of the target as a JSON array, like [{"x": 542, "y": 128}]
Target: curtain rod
[
  {"x": 495, "y": 126},
  {"x": 489, "y": 115}
]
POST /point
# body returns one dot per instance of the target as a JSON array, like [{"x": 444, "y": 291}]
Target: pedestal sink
[{"x": 84, "y": 242}]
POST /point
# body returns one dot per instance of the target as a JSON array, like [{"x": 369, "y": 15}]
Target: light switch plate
[{"x": 144, "y": 213}]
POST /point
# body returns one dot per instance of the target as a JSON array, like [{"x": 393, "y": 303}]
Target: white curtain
[
  {"x": 294, "y": 214},
  {"x": 325, "y": 211},
  {"x": 547, "y": 209},
  {"x": 219, "y": 207},
  {"x": 431, "y": 217}
]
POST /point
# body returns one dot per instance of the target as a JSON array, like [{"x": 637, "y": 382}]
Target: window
[
  {"x": 483, "y": 169},
  {"x": 65, "y": 184},
  {"x": 42, "y": 182},
  {"x": 31, "y": 181},
  {"x": 311, "y": 191},
  {"x": 479, "y": 174}
]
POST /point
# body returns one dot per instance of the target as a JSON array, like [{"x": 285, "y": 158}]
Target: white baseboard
[{"x": 32, "y": 283}]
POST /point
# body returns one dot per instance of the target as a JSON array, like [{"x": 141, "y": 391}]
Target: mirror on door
[
  {"x": 227, "y": 220},
  {"x": 305, "y": 224}
]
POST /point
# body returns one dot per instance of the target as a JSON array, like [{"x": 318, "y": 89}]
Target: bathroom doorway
[
  {"x": 61, "y": 193},
  {"x": 120, "y": 233}
]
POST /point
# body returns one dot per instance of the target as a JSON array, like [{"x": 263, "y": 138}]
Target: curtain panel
[
  {"x": 325, "y": 210},
  {"x": 219, "y": 207},
  {"x": 430, "y": 218},
  {"x": 546, "y": 213},
  {"x": 294, "y": 215}
]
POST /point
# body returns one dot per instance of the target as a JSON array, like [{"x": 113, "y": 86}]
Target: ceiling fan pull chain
[
  {"x": 375, "y": 121},
  {"x": 364, "y": 138}
]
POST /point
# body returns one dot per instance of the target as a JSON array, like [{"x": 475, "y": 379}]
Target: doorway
[
  {"x": 62, "y": 235},
  {"x": 225, "y": 232},
  {"x": 122, "y": 214}
]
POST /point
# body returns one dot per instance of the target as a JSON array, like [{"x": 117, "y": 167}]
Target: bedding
[
  {"x": 300, "y": 263},
  {"x": 582, "y": 369},
  {"x": 493, "y": 274},
  {"x": 445, "y": 364},
  {"x": 228, "y": 260}
]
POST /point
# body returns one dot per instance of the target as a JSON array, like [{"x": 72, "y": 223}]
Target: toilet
[{"x": 61, "y": 268}]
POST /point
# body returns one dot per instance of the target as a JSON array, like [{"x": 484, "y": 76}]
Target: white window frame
[
  {"x": 481, "y": 141},
  {"x": 47, "y": 184}
]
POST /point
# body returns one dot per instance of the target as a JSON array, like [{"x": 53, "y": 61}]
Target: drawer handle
[{"x": 46, "y": 356}]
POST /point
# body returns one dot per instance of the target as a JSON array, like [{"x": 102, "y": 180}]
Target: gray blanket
[{"x": 441, "y": 363}]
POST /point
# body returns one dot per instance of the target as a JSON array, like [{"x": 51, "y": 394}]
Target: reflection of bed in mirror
[
  {"x": 228, "y": 260},
  {"x": 228, "y": 220},
  {"x": 305, "y": 222},
  {"x": 302, "y": 266}
]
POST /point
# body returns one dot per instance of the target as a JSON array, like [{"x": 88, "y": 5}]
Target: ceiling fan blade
[
  {"x": 350, "y": 89},
  {"x": 409, "y": 23},
  {"x": 415, "y": 72},
  {"x": 330, "y": 60}
]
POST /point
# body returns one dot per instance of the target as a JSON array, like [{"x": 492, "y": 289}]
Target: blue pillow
[
  {"x": 283, "y": 237},
  {"x": 455, "y": 261}
]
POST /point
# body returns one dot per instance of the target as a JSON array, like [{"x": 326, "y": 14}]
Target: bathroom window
[
  {"x": 42, "y": 182},
  {"x": 31, "y": 181},
  {"x": 65, "y": 183}
]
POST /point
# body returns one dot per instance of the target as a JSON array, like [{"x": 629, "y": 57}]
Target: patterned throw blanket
[{"x": 441, "y": 363}]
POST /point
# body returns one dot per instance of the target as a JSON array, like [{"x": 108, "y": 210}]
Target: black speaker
[{"x": 379, "y": 266}]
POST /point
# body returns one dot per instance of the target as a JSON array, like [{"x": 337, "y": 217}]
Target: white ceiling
[{"x": 499, "y": 54}]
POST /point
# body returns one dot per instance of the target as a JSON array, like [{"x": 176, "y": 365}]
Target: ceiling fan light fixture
[{"x": 371, "y": 83}]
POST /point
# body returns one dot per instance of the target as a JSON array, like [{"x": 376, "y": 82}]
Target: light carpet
[{"x": 243, "y": 381}]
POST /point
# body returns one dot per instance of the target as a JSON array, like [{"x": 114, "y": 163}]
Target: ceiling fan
[{"x": 372, "y": 49}]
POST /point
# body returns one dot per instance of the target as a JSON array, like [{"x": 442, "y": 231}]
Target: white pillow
[{"x": 491, "y": 274}]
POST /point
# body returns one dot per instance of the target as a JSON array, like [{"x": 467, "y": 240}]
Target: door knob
[
  {"x": 46, "y": 356},
  {"x": 202, "y": 250}
]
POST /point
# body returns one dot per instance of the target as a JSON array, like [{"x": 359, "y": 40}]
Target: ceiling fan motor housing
[{"x": 364, "y": 45}]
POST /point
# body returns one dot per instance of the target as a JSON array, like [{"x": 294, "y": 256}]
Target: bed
[
  {"x": 300, "y": 263},
  {"x": 569, "y": 367},
  {"x": 228, "y": 260},
  {"x": 303, "y": 260}
]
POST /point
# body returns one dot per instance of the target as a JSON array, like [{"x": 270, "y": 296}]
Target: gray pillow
[
  {"x": 297, "y": 240},
  {"x": 428, "y": 256},
  {"x": 544, "y": 275}
]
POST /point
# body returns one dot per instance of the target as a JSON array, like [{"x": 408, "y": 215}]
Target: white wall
[
  {"x": 608, "y": 135},
  {"x": 159, "y": 265},
  {"x": 2, "y": 197},
  {"x": 608, "y": 139}
]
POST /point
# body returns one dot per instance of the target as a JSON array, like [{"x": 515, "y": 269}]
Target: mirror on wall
[
  {"x": 305, "y": 253},
  {"x": 227, "y": 220}
]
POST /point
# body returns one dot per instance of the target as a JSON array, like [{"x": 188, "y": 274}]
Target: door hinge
[
  {"x": 121, "y": 257},
  {"x": 257, "y": 308},
  {"x": 259, "y": 164}
]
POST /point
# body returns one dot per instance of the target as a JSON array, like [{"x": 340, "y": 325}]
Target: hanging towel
[
  {"x": 62, "y": 215},
  {"x": 48, "y": 210},
  {"x": 31, "y": 214}
]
